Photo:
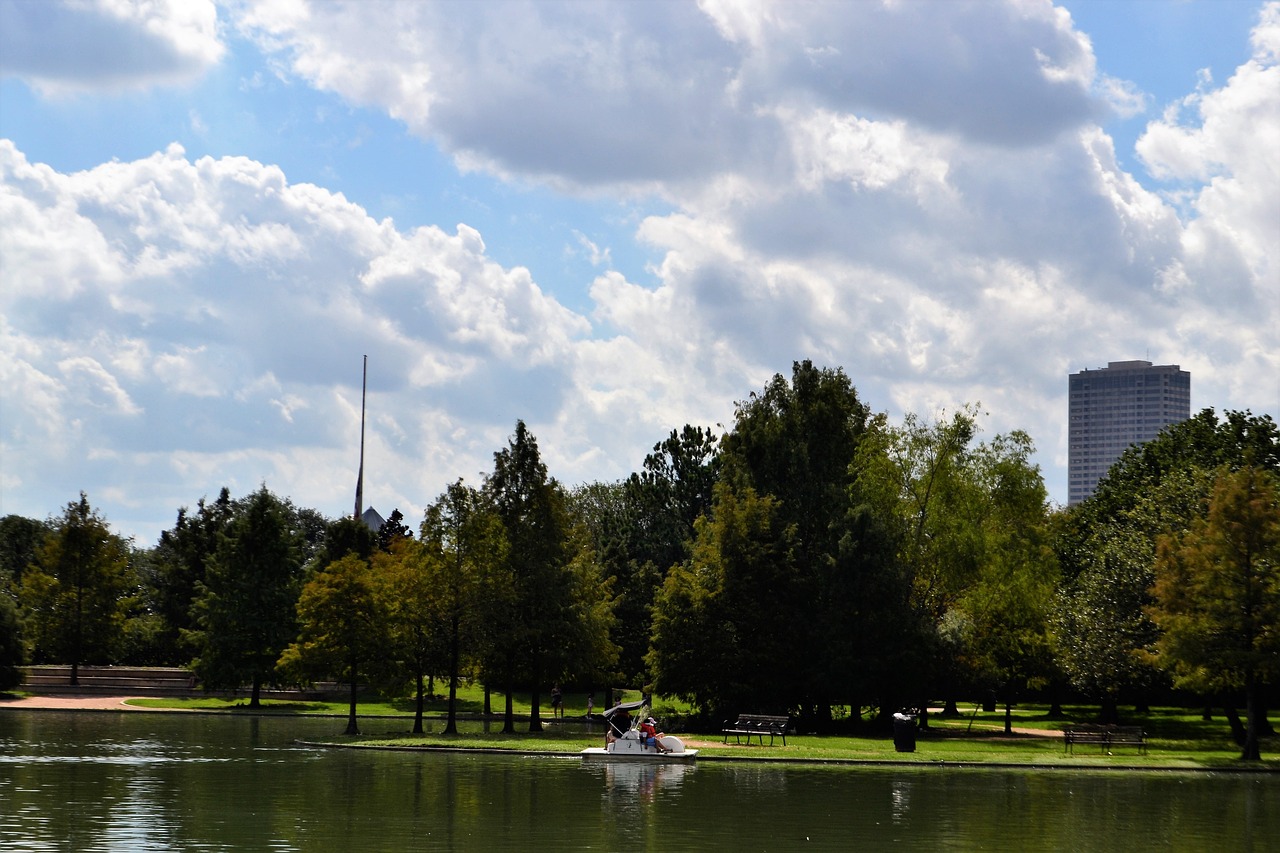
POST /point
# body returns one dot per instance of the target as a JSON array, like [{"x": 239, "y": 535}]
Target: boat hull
[
  {"x": 602, "y": 753},
  {"x": 630, "y": 748}
]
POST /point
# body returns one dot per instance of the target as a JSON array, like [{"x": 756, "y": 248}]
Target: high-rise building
[{"x": 1111, "y": 408}]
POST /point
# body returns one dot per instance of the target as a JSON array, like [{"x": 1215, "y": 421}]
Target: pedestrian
[
  {"x": 557, "y": 702},
  {"x": 591, "y": 704}
]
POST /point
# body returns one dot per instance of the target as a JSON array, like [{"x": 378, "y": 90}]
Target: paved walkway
[{"x": 72, "y": 702}]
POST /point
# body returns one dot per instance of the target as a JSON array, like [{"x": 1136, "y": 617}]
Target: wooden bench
[
  {"x": 1105, "y": 737},
  {"x": 757, "y": 725}
]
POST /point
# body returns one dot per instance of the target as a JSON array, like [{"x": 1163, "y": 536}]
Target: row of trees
[{"x": 814, "y": 559}]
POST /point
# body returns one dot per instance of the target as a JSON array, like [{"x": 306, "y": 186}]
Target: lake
[{"x": 144, "y": 781}]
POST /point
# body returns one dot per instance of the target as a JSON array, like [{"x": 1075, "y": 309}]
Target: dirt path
[{"x": 72, "y": 702}]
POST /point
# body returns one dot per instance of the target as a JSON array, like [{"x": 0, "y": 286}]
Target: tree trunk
[
  {"x": 949, "y": 709},
  {"x": 352, "y": 728},
  {"x": 255, "y": 692},
  {"x": 419, "y": 703},
  {"x": 1251, "y": 751},
  {"x": 509, "y": 716},
  {"x": 455, "y": 655},
  {"x": 1008, "y": 717},
  {"x": 1238, "y": 733}
]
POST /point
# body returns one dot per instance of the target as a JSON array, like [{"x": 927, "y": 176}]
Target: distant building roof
[{"x": 372, "y": 519}]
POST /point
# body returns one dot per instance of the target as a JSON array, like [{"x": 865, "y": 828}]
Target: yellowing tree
[{"x": 1217, "y": 593}]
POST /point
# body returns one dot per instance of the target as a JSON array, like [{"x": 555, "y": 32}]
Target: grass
[
  {"x": 1177, "y": 738},
  {"x": 470, "y": 703}
]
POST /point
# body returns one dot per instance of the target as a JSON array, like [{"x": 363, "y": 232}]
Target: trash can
[{"x": 904, "y": 732}]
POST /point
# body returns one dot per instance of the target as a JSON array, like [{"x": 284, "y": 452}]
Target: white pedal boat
[{"x": 623, "y": 741}]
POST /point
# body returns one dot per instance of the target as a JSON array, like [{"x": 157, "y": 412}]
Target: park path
[{"x": 72, "y": 702}]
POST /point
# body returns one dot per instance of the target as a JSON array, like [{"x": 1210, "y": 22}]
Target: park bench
[
  {"x": 1105, "y": 737},
  {"x": 757, "y": 725}
]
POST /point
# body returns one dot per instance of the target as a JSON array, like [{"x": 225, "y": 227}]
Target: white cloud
[
  {"x": 918, "y": 192},
  {"x": 64, "y": 46}
]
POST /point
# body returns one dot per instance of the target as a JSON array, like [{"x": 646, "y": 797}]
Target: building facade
[{"x": 1111, "y": 408}]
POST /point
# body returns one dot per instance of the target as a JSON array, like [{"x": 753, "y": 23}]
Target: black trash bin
[{"x": 904, "y": 732}]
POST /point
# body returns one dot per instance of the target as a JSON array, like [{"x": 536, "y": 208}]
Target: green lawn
[{"x": 1178, "y": 738}]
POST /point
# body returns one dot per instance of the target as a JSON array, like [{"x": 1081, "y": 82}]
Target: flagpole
[{"x": 364, "y": 385}]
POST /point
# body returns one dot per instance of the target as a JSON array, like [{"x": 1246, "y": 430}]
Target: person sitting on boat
[
  {"x": 619, "y": 723},
  {"x": 650, "y": 735}
]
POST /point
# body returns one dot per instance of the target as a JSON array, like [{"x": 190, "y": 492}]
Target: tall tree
[
  {"x": 796, "y": 441},
  {"x": 537, "y": 642},
  {"x": 19, "y": 539},
  {"x": 341, "y": 628},
  {"x": 407, "y": 581},
  {"x": 12, "y": 653},
  {"x": 76, "y": 591},
  {"x": 246, "y": 611},
  {"x": 181, "y": 559},
  {"x": 719, "y": 641},
  {"x": 1106, "y": 545},
  {"x": 1218, "y": 593},
  {"x": 464, "y": 544}
]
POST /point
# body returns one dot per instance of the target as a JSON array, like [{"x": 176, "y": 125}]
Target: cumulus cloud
[
  {"x": 95, "y": 45},
  {"x": 921, "y": 193}
]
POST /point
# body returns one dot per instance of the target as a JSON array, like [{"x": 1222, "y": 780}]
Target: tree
[
  {"x": 537, "y": 642},
  {"x": 464, "y": 542},
  {"x": 393, "y": 530},
  {"x": 246, "y": 611},
  {"x": 407, "y": 581},
  {"x": 796, "y": 442},
  {"x": 341, "y": 627},
  {"x": 181, "y": 560},
  {"x": 719, "y": 639},
  {"x": 1217, "y": 593},
  {"x": 12, "y": 653},
  {"x": 75, "y": 592},
  {"x": 19, "y": 538},
  {"x": 641, "y": 526},
  {"x": 1106, "y": 545}
]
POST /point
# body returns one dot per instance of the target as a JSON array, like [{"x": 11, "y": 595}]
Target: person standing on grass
[{"x": 557, "y": 702}]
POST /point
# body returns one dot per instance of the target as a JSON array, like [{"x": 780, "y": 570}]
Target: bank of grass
[
  {"x": 1178, "y": 738},
  {"x": 470, "y": 704}
]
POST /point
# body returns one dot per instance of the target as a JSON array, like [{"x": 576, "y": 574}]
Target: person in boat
[
  {"x": 650, "y": 735},
  {"x": 619, "y": 724}
]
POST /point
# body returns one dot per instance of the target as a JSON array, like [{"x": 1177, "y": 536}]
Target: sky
[{"x": 607, "y": 219}]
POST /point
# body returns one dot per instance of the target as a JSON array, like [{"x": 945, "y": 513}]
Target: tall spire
[{"x": 364, "y": 384}]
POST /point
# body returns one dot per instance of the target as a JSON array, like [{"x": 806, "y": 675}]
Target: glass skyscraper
[{"x": 1111, "y": 408}]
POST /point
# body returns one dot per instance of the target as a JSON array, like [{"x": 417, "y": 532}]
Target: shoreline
[{"x": 119, "y": 703}]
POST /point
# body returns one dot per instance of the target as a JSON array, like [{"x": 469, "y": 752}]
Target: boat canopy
[{"x": 625, "y": 706}]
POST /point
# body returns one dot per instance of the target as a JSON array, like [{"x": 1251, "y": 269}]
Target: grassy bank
[{"x": 1178, "y": 738}]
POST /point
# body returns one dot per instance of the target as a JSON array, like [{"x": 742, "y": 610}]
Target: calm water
[{"x": 134, "y": 781}]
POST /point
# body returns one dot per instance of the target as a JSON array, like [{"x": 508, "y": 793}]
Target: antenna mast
[{"x": 364, "y": 385}]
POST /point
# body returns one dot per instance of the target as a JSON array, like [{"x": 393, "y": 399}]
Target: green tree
[
  {"x": 1217, "y": 593},
  {"x": 180, "y": 563},
  {"x": 1008, "y": 604},
  {"x": 12, "y": 653},
  {"x": 796, "y": 442},
  {"x": 341, "y": 628},
  {"x": 541, "y": 639},
  {"x": 464, "y": 543},
  {"x": 641, "y": 526},
  {"x": 76, "y": 591},
  {"x": 1106, "y": 545},
  {"x": 407, "y": 580},
  {"x": 19, "y": 538},
  {"x": 246, "y": 610},
  {"x": 719, "y": 639},
  {"x": 393, "y": 530}
]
